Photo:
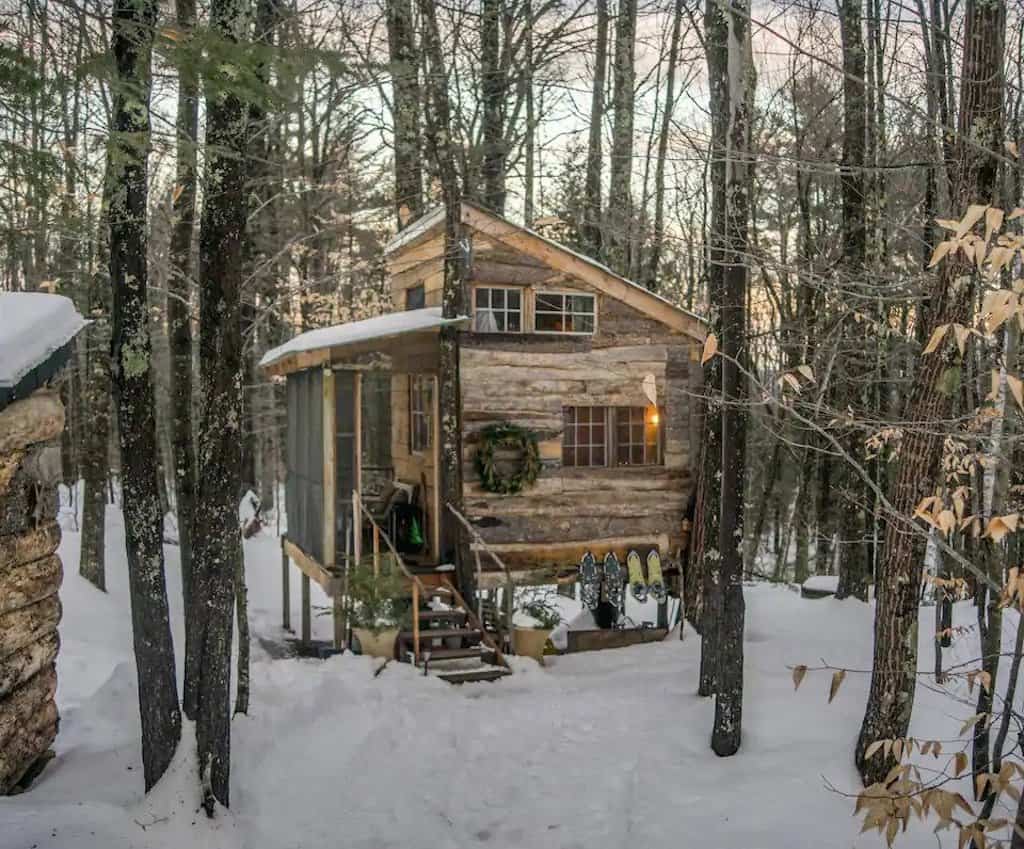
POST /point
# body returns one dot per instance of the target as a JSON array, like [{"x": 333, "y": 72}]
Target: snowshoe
[
  {"x": 612, "y": 575},
  {"x": 637, "y": 584},
  {"x": 655, "y": 581},
  {"x": 590, "y": 582}
]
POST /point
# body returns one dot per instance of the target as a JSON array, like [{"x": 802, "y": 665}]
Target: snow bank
[
  {"x": 821, "y": 583},
  {"x": 598, "y": 750},
  {"x": 32, "y": 326}
]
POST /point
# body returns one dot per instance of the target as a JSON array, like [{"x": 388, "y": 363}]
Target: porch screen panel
[
  {"x": 344, "y": 456},
  {"x": 305, "y": 486}
]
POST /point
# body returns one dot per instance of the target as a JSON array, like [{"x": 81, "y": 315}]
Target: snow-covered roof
[
  {"x": 415, "y": 230},
  {"x": 367, "y": 330},
  {"x": 33, "y": 326}
]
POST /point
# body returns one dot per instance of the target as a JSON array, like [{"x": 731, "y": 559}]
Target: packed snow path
[{"x": 596, "y": 751}]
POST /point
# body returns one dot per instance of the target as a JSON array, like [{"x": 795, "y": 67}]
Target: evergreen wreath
[{"x": 507, "y": 435}]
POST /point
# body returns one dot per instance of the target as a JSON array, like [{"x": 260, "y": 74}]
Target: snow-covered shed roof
[
  {"x": 340, "y": 337},
  {"x": 35, "y": 331},
  {"x": 554, "y": 253}
]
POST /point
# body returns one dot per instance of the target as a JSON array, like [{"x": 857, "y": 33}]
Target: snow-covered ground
[{"x": 595, "y": 751}]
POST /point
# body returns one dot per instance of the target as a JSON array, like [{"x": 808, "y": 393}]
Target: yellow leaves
[
  {"x": 710, "y": 348},
  {"x": 837, "y": 681},
  {"x": 999, "y": 526},
  {"x": 993, "y": 221},
  {"x": 807, "y": 372},
  {"x": 1016, "y": 387},
  {"x": 1011, "y": 148},
  {"x": 936, "y": 339},
  {"x": 973, "y": 216},
  {"x": 970, "y": 723},
  {"x": 981, "y": 676},
  {"x": 1013, "y": 590},
  {"x": 176, "y": 193},
  {"x": 942, "y": 249},
  {"x": 960, "y": 763},
  {"x": 798, "y": 675},
  {"x": 997, "y": 306},
  {"x": 961, "y": 333}
]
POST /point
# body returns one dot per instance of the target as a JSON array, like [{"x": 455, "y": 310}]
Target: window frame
[
  {"x": 611, "y": 445},
  {"x": 505, "y": 310},
  {"x": 421, "y": 390},
  {"x": 539, "y": 293},
  {"x": 422, "y": 289}
]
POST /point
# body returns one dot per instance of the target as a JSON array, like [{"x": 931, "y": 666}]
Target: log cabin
[
  {"x": 36, "y": 336},
  {"x": 594, "y": 375}
]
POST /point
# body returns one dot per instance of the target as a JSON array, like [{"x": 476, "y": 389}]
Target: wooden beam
[
  {"x": 286, "y": 590},
  {"x": 330, "y": 465},
  {"x": 435, "y": 519},
  {"x": 311, "y": 568},
  {"x": 600, "y": 278}
]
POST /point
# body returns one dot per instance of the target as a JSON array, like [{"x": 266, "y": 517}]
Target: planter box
[{"x": 612, "y": 638}]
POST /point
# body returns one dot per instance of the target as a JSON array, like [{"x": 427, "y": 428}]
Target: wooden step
[
  {"x": 440, "y": 633},
  {"x": 448, "y": 654},
  {"x": 430, "y": 615},
  {"x": 469, "y": 676}
]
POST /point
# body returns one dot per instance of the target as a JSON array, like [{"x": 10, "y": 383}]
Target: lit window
[
  {"x": 421, "y": 393},
  {"x": 497, "y": 310},
  {"x": 637, "y": 436},
  {"x": 561, "y": 312},
  {"x": 611, "y": 436}
]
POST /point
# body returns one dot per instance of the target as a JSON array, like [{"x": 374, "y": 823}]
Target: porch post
[{"x": 330, "y": 501}]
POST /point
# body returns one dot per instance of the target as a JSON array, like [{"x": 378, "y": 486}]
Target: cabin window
[
  {"x": 611, "y": 436},
  {"x": 497, "y": 310},
  {"x": 637, "y": 436},
  {"x": 421, "y": 396},
  {"x": 563, "y": 312},
  {"x": 585, "y": 436},
  {"x": 416, "y": 297}
]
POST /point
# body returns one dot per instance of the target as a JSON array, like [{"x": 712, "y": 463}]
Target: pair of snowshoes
[
  {"x": 594, "y": 578},
  {"x": 653, "y": 583}
]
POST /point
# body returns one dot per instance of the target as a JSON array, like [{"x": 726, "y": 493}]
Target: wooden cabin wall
[
  {"x": 528, "y": 378},
  {"x": 30, "y": 577},
  {"x": 412, "y": 467}
]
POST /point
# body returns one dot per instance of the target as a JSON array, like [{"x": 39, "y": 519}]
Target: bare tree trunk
[
  {"x": 726, "y": 734},
  {"x": 493, "y": 97},
  {"x": 651, "y": 281},
  {"x": 619, "y": 215},
  {"x": 530, "y": 142},
  {"x": 450, "y": 397},
  {"x": 179, "y": 304},
  {"x": 218, "y": 552},
  {"x": 132, "y": 367},
  {"x": 854, "y": 570},
  {"x": 975, "y": 167},
  {"x": 591, "y": 230},
  {"x": 406, "y": 111}
]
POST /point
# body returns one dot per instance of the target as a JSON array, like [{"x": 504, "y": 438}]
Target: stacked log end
[{"x": 30, "y": 577}]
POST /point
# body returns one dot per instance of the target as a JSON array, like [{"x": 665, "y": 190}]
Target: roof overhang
[{"x": 383, "y": 334}]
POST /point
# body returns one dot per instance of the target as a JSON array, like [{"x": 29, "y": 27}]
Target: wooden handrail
[
  {"x": 476, "y": 623},
  {"x": 481, "y": 543},
  {"x": 391, "y": 547}
]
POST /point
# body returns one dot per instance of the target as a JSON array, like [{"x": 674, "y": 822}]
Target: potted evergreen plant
[
  {"x": 379, "y": 608},
  {"x": 536, "y": 616}
]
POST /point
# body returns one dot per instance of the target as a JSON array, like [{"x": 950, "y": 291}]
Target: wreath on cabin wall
[{"x": 507, "y": 436}]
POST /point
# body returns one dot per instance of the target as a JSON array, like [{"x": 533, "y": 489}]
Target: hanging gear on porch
[
  {"x": 654, "y": 577},
  {"x": 637, "y": 584},
  {"x": 408, "y": 519},
  {"x": 590, "y": 582}
]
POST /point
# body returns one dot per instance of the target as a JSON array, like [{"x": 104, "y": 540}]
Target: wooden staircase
[{"x": 447, "y": 638}]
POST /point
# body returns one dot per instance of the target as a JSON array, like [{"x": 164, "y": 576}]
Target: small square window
[
  {"x": 415, "y": 297},
  {"x": 557, "y": 312},
  {"x": 497, "y": 310}
]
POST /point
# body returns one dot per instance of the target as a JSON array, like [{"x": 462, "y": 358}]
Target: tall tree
[
  {"x": 405, "y": 107},
  {"x": 726, "y": 733},
  {"x": 453, "y": 297},
  {"x": 132, "y": 368},
  {"x": 493, "y": 96},
  {"x": 217, "y": 541},
  {"x": 854, "y": 569},
  {"x": 653, "y": 264},
  {"x": 973, "y": 174},
  {"x": 592, "y": 217},
  {"x": 179, "y": 300},
  {"x": 620, "y": 205}
]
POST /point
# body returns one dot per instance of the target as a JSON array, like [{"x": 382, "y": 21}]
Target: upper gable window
[
  {"x": 416, "y": 297},
  {"x": 497, "y": 310},
  {"x": 562, "y": 312}
]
